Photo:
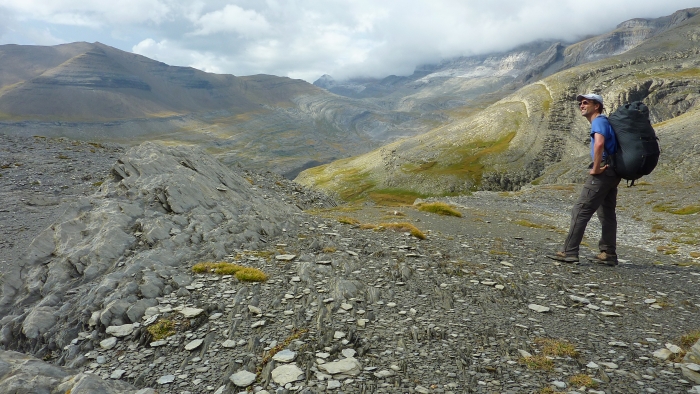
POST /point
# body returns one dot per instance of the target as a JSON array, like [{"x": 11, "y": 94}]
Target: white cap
[{"x": 590, "y": 96}]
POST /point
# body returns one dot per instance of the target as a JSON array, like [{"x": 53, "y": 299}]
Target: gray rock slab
[
  {"x": 120, "y": 331},
  {"x": 287, "y": 373},
  {"x": 346, "y": 366},
  {"x": 242, "y": 378}
]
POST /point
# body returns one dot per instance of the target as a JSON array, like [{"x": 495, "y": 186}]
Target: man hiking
[{"x": 599, "y": 194}]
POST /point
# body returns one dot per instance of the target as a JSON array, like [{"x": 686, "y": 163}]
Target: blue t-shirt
[{"x": 601, "y": 125}]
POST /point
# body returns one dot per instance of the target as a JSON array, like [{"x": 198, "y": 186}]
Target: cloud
[
  {"x": 232, "y": 19},
  {"x": 344, "y": 38}
]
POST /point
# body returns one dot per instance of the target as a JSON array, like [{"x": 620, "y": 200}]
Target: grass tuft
[
  {"x": 330, "y": 249},
  {"x": 244, "y": 274},
  {"x": 440, "y": 208},
  {"x": 582, "y": 380},
  {"x": 161, "y": 329},
  {"x": 348, "y": 220},
  {"x": 538, "y": 362},
  {"x": 688, "y": 340},
  {"x": 554, "y": 347},
  {"x": 404, "y": 227}
]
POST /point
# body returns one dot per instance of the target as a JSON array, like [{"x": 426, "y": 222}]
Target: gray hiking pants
[{"x": 599, "y": 195}]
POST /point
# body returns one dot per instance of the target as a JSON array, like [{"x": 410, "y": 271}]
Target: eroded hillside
[{"x": 537, "y": 134}]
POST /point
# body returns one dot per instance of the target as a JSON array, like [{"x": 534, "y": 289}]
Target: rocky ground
[{"x": 474, "y": 307}]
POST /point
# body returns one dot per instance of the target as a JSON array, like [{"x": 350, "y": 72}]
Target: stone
[
  {"x": 675, "y": 349},
  {"x": 191, "y": 312},
  {"x": 333, "y": 384},
  {"x": 194, "y": 344},
  {"x": 384, "y": 374},
  {"x": 338, "y": 335},
  {"x": 346, "y": 366},
  {"x": 539, "y": 308},
  {"x": 287, "y": 373},
  {"x": 120, "y": 331},
  {"x": 285, "y": 257},
  {"x": 108, "y": 343},
  {"x": 242, "y": 378},
  {"x": 166, "y": 379},
  {"x": 347, "y": 353},
  {"x": 524, "y": 353},
  {"x": 578, "y": 299},
  {"x": 285, "y": 356},
  {"x": 663, "y": 354},
  {"x": 229, "y": 343},
  {"x": 117, "y": 374}
]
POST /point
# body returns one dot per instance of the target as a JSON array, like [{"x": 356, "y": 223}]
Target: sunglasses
[{"x": 584, "y": 102}]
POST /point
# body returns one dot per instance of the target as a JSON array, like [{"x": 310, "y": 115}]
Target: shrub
[
  {"x": 440, "y": 208},
  {"x": 249, "y": 274}
]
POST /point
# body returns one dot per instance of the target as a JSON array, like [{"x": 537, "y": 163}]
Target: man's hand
[{"x": 599, "y": 170}]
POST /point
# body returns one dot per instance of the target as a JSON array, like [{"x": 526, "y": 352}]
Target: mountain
[
  {"x": 96, "y": 92},
  {"x": 536, "y": 133}
]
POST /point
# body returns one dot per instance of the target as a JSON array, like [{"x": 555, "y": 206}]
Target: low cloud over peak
[{"x": 306, "y": 39}]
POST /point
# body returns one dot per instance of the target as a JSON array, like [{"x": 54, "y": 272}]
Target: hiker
[{"x": 599, "y": 193}]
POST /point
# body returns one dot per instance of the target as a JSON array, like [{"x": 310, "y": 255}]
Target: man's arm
[{"x": 598, "y": 147}]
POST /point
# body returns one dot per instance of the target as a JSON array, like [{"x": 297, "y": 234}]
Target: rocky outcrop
[
  {"x": 113, "y": 253},
  {"x": 21, "y": 374}
]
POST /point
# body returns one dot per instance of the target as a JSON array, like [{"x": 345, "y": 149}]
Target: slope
[
  {"x": 536, "y": 131},
  {"x": 96, "y": 92}
]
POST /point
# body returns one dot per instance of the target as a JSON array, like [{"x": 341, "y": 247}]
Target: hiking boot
[
  {"x": 605, "y": 258},
  {"x": 563, "y": 257}
]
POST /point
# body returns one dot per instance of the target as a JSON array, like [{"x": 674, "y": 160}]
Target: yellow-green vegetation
[
  {"x": 547, "y": 390},
  {"x": 582, "y": 380},
  {"x": 348, "y": 220},
  {"x": 667, "y": 249},
  {"x": 688, "y": 340},
  {"x": 527, "y": 223},
  {"x": 161, "y": 329},
  {"x": 394, "y": 197},
  {"x": 62, "y": 156},
  {"x": 329, "y": 249},
  {"x": 267, "y": 356},
  {"x": 97, "y": 184},
  {"x": 670, "y": 208},
  {"x": 695, "y": 255},
  {"x": 465, "y": 161},
  {"x": 539, "y": 362},
  {"x": 404, "y": 227},
  {"x": 354, "y": 185},
  {"x": 440, "y": 208},
  {"x": 244, "y": 274},
  {"x": 555, "y": 347}
]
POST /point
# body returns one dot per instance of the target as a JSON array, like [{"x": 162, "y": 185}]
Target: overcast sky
[{"x": 308, "y": 38}]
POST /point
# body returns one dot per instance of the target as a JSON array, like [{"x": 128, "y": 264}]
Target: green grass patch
[
  {"x": 670, "y": 208},
  {"x": 688, "y": 340},
  {"x": 439, "y": 208},
  {"x": 689, "y": 210},
  {"x": 161, "y": 329},
  {"x": 465, "y": 161},
  {"x": 394, "y": 197},
  {"x": 244, "y": 274}
]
